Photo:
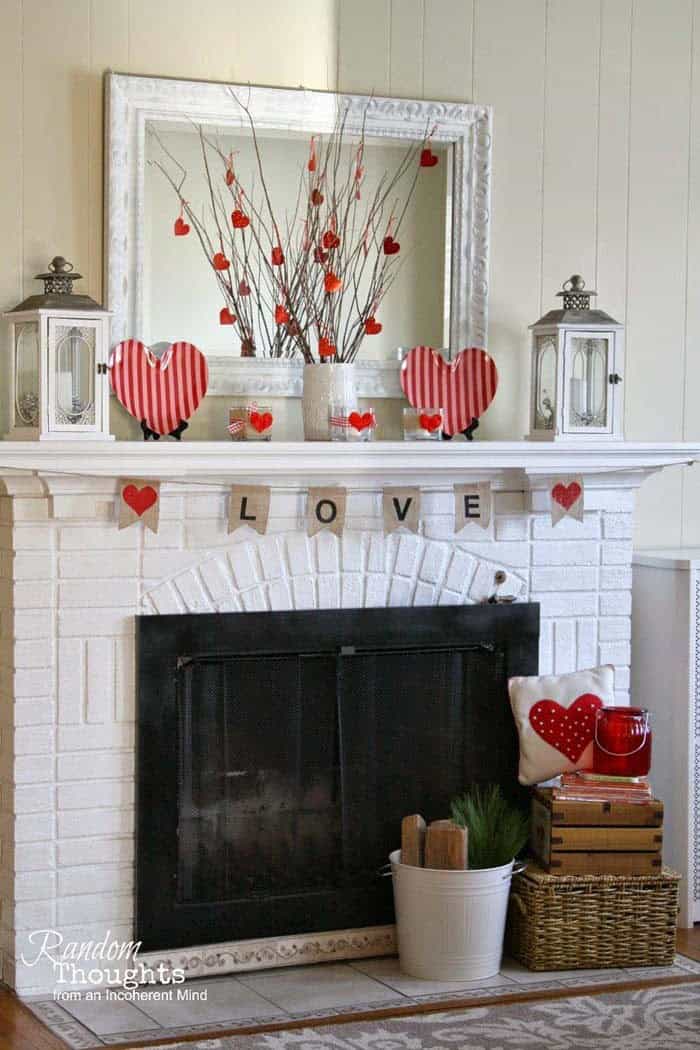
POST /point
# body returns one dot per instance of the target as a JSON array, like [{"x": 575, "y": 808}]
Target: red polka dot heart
[{"x": 568, "y": 729}]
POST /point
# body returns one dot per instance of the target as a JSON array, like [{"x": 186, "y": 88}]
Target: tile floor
[{"x": 298, "y": 993}]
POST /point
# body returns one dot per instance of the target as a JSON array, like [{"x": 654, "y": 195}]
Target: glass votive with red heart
[
  {"x": 622, "y": 742},
  {"x": 259, "y": 423},
  {"x": 349, "y": 422},
  {"x": 422, "y": 424}
]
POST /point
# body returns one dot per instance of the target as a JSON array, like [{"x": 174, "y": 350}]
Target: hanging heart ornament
[
  {"x": 162, "y": 390},
  {"x": 463, "y": 388}
]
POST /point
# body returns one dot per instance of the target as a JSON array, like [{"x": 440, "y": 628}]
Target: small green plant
[{"x": 497, "y": 830}]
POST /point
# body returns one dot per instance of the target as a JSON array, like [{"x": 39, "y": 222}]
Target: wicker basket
[{"x": 570, "y": 922}]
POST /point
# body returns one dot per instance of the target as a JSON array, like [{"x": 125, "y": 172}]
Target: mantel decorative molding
[{"x": 525, "y": 464}]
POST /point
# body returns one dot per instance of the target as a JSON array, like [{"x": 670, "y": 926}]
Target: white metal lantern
[
  {"x": 59, "y": 343},
  {"x": 577, "y": 356}
]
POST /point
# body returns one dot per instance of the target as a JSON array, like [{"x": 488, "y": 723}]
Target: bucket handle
[
  {"x": 622, "y": 754},
  {"x": 518, "y": 867},
  {"x": 384, "y": 872}
]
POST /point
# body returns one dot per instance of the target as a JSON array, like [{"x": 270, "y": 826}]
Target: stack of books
[{"x": 595, "y": 787}]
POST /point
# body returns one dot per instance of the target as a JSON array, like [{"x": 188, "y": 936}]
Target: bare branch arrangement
[{"x": 313, "y": 282}]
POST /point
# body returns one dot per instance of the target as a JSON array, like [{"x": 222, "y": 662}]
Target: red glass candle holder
[{"x": 622, "y": 742}]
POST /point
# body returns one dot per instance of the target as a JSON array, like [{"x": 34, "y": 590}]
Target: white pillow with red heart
[{"x": 555, "y": 717}]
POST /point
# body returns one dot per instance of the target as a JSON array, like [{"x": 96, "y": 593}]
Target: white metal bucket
[{"x": 450, "y": 924}]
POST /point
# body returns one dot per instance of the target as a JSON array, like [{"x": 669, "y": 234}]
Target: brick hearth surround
[{"x": 71, "y": 584}]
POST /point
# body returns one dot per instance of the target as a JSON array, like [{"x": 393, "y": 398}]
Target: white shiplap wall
[{"x": 596, "y": 162}]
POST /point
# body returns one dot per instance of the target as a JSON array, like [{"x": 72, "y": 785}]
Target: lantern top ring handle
[
  {"x": 575, "y": 283},
  {"x": 60, "y": 265}
]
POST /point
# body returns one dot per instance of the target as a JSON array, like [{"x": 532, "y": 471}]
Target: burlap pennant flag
[
  {"x": 139, "y": 500},
  {"x": 473, "y": 503},
  {"x": 325, "y": 509},
  {"x": 401, "y": 507},
  {"x": 249, "y": 505},
  {"x": 567, "y": 499}
]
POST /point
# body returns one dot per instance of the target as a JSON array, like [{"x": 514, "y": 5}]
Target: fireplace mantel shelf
[{"x": 350, "y": 464}]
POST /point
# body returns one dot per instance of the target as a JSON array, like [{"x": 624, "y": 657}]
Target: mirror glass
[{"x": 181, "y": 296}]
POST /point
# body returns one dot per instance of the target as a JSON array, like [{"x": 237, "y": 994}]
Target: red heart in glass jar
[{"x": 622, "y": 742}]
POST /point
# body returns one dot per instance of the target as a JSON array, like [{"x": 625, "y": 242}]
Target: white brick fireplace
[{"x": 71, "y": 585}]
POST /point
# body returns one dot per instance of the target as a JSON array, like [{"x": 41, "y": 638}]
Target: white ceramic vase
[{"x": 325, "y": 385}]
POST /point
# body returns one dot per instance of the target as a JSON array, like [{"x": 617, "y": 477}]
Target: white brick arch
[{"x": 361, "y": 569}]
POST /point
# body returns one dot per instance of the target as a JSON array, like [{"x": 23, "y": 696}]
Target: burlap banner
[
  {"x": 325, "y": 509},
  {"x": 473, "y": 503},
  {"x": 567, "y": 499},
  {"x": 401, "y": 507},
  {"x": 249, "y": 505},
  {"x": 139, "y": 500}
]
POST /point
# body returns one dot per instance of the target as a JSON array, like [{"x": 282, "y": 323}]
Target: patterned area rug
[{"x": 650, "y": 1019}]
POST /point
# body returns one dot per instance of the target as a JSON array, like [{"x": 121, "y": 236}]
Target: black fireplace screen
[{"x": 278, "y": 753}]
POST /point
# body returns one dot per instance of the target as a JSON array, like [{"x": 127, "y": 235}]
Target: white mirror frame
[{"x": 134, "y": 101}]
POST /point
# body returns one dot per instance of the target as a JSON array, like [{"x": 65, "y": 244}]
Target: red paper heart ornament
[
  {"x": 230, "y": 177},
  {"x": 317, "y": 198},
  {"x": 330, "y": 240},
  {"x": 428, "y": 159},
  {"x": 429, "y": 423},
  {"x": 332, "y": 283},
  {"x": 244, "y": 288},
  {"x": 391, "y": 247},
  {"x": 180, "y": 227},
  {"x": 277, "y": 256},
  {"x": 220, "y": 262},
  {"x": 139, "y": 499},
  {"x": 463, "y": 388},
  {"x": 326, "y": 347},
  {"x": 225, "y": 316},
  {"x": 361, "y": 421},
  {"x": 239, "y": 219},
  {"x": 566, "y": 495},
  {"x": 319, "y": 255},
  {"x": 567, "y": 729},
  {"x": 372, "y": 326},
  {"x": 164, "y": 390},
  {"x": 281, "y": 314},
  {"x": 260, "y": 421}
]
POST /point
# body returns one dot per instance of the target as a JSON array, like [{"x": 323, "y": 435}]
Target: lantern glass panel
[
  {"x": 545, "y": 382},
  {"x": 588, "y": 382},
  {"x": 26, "y": 412},
  {"x": 75, "y": 375}
]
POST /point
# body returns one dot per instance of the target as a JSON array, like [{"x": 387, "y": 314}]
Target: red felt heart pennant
[
  {"x": 372, "y": 326},
  {"x": 220, "y": 262},
  {"x": 568, "y": 729},
  {"x": 239, "y": 219},
  {"x": 332, "y": 283},
  {"x": 260, "y": 421},
  {"x": 428, "y": 159},
  {"x": 180, "y": 227},
  {"x": 162, "y": 391},
  {"x": 566, "y": 495},
  {"x": 317, "y": 198},
  {"x": 391, "y": 247},
  {"x": 361, "y": 421},
  {"x": 281, "y": 314},
  {"x": 430, "y": 423},
  {"x": 139, "y": 499},
  {"x": 463, "y": 388},
  {"x": 277, "y": 256}
]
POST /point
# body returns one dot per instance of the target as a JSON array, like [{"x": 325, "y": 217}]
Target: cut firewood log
[
  {"x": 413, "y": 840},
  {"x": 446, "y": 846}
]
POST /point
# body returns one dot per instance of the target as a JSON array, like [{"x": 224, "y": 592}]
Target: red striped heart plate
[{"x": 463, "y": 388}]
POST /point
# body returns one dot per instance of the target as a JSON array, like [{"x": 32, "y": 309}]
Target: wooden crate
[
  {"x": 596, "y": 838},
  {"x": 575, "y": 922}
]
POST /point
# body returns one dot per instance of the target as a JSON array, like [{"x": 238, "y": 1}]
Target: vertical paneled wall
[{"x": 596, "y": 157}]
